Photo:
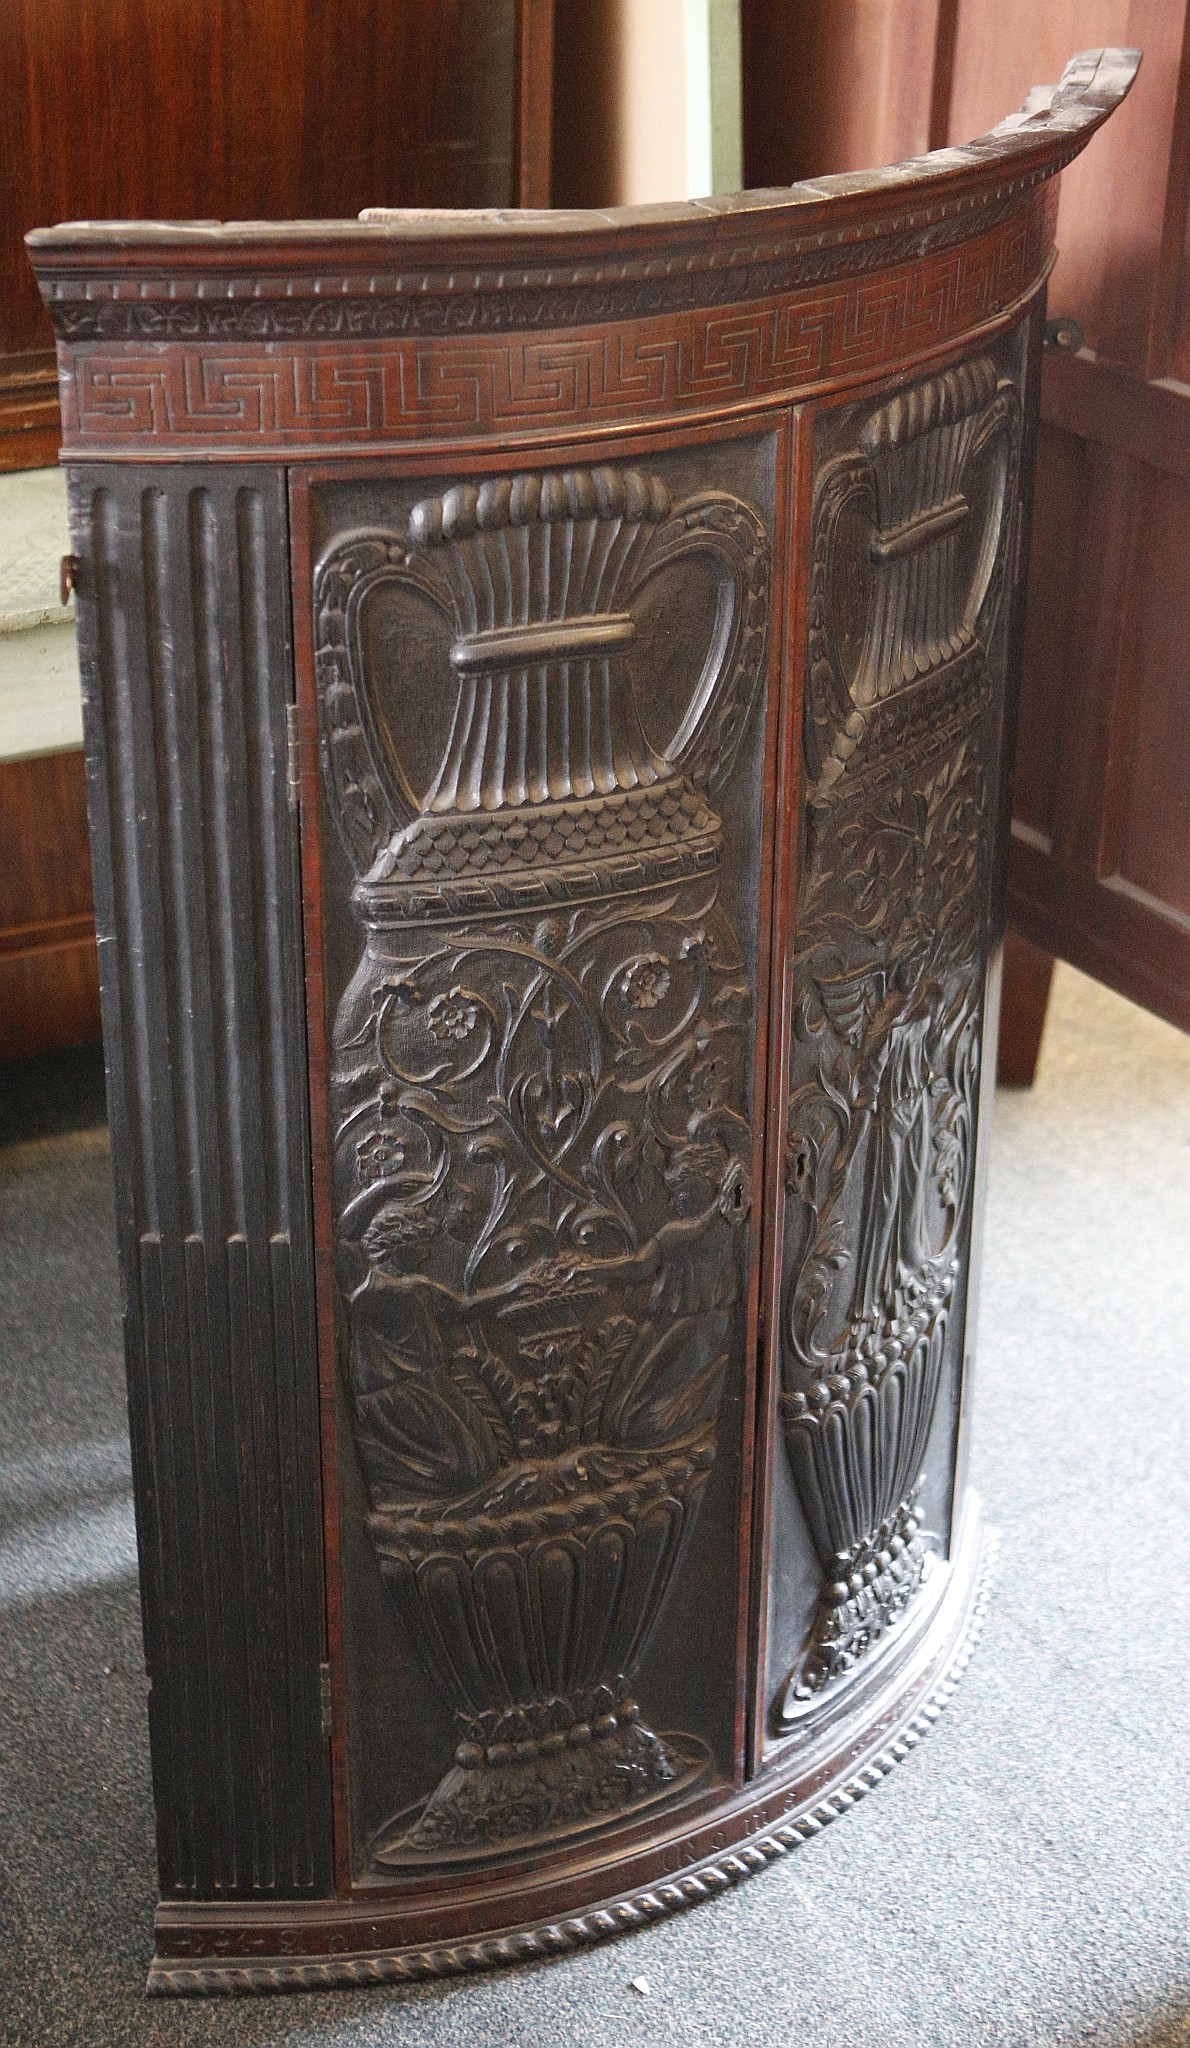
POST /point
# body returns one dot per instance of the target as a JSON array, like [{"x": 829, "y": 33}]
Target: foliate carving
[
  {"x": 909, "y": 539},
  {"x": 539, "y": 1099}
]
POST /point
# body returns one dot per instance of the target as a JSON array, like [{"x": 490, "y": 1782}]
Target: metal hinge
[
  {"x": 293, "y": 757},
  {"x": 326, "y": 1706}
]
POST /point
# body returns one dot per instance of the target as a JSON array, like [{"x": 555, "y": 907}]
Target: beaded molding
[{"x": 563, "y": 1937}]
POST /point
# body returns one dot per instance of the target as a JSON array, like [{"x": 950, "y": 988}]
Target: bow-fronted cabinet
[{"x": 548, "y": 688}]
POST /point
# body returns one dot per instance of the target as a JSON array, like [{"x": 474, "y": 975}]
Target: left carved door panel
[{"x": 543, "y": 712}]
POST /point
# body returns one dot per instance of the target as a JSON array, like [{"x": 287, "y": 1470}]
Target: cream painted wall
[
  {"x": 646, "y": 111},
  {"x": 651, "y": 160},
  {"x": 621, "y": 133}
]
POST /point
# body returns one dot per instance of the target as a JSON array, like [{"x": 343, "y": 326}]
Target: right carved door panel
[{"x": 915, "y": 507}]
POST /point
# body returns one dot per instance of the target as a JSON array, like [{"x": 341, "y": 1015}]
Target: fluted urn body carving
[
  {"x": 888, "y": 980},
  {"x": 540, "y": 1169}
]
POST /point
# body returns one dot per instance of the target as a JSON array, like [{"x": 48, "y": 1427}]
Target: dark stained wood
[
  {"x": 49, "y": 980},
  {"x": 261, "y": 111},
  {"x": 186, "y": 661},
  {"x": 608, "y": 931},
  {"x": 1025, "y": 990}
]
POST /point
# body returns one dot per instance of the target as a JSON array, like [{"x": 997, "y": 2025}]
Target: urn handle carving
[
  {"x": 917, "y": 513},
  {"x": 536, "y": 577},
  {"x": 717, "y": 525}
]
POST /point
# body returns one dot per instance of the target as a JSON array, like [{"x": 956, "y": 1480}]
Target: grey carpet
[{"x": 1023, "y": 1878}]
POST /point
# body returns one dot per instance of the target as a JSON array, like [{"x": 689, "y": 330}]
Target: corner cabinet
[{"x": 548, "y": 689}]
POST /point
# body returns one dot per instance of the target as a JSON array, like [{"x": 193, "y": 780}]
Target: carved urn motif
[
  {"x": 541, "y": 1134},
  {"x": 888, "y": 980}
]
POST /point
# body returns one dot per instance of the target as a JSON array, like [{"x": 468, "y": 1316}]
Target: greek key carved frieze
[
  {"x": 911, "y": 529},
  {"x": 286, "y": 395},
  {"x": 539, "y": 1106}
]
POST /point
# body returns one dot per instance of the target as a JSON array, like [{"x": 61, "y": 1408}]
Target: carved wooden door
[{"x": 544, "y": 718}]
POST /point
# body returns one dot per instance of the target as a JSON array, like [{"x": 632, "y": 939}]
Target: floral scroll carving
[
  {"x": 911, "y": 531},
  {"x": 541, "y": 1137}
]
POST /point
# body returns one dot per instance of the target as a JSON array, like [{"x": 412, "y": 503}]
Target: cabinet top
[
  {"x": 403, "y": 330},
  {"x": 111, "y": 277}
]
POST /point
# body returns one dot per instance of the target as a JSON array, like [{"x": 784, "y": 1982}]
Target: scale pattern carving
[
  {"x": 911, "y": 531},
  {"x": 675, "y": 360},
  {"x": 539, "y": 1100}
]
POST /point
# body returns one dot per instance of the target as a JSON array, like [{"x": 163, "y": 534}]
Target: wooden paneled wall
[{"x": 249, "y": 109}]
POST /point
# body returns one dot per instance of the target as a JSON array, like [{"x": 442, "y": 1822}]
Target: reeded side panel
[
  {"x": 186, "y": 665},
  {"x": 911, "y": 540}
]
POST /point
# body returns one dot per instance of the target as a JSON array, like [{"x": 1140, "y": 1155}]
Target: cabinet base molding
[{"x": 211, "y": 1949}]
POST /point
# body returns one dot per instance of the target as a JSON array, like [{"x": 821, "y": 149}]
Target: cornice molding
[{"x": 417, "y": 273}]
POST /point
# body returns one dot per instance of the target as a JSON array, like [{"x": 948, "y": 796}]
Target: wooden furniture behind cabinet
[
  {"x": 49, "y": 988},
  {"x": 548, "y": 689}
]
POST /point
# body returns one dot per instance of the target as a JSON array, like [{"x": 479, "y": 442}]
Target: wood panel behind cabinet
[
  {"x": 49, "y": 981},
  {"x": 1100, "y": 868},
  {"x": 254, "y": 109}
]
